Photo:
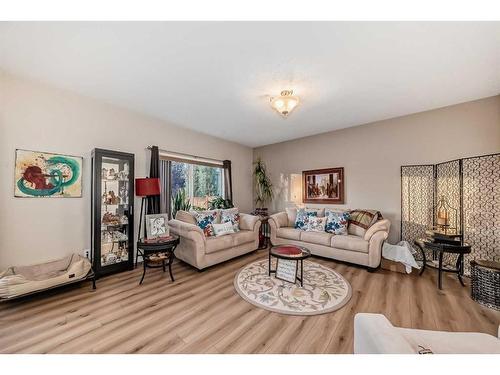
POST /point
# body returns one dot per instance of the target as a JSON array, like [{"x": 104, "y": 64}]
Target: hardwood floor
[{"x": 202, "y": 313}]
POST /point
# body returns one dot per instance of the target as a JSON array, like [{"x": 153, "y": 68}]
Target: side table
[
  {"x": 148, "y": 250},
  {"x": 442, "y": 248}
]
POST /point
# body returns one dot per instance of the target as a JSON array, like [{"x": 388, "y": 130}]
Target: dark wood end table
[
  {"x": 275, "y": 252},
  {"x": 147, "y": 250},
  {"x": 441, "y": 248}
]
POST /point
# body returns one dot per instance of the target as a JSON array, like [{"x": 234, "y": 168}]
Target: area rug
[{"x": 324, "y": 289}]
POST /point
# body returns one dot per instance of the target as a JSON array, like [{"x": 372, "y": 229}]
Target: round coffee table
[{"x": 290, "y": 252}]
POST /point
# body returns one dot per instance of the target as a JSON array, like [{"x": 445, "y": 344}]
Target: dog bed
[{"x": 19, "y": 281}]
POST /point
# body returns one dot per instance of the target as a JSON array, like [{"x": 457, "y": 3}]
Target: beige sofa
[
  {"x": 363, "y": 248},
  {"x": 202, "y": 252}
]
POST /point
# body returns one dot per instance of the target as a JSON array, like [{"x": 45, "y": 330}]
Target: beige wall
[
  {"x": 36, "y": 117},
  {"x": 372, "y": 154}
]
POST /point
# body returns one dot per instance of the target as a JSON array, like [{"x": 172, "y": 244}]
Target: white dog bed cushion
[{"x": 17, "y": 281}]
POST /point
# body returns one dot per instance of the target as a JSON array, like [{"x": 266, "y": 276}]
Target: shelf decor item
[
  {"x": 112, "y": 211},
  {"x": 323, "y": 186},
  {"x": 46, "y": 175},
  {"x": 157, "y": 226}
]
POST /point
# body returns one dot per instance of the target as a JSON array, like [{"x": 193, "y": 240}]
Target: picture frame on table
[
  {"x": 157, "y": 226},
  {"x": 323, "y": 186},
  {"x": 286, "y": 270}
]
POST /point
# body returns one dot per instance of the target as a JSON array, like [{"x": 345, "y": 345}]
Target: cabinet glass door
[{"x": 115, "y": 226}]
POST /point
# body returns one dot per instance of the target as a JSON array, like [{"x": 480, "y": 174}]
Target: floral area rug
[{"x": 324, "y": 289}]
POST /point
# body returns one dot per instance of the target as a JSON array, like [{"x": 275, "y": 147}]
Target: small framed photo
[
  {"x": 286, "y": 270},
  {"x": 157, "y": 226}
]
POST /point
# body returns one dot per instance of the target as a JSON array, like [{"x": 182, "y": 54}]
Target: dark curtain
[
  {"x": 153, "y": 206},
  {"x": 165, "y": 186},
  {"x": 228, "y": 182}
]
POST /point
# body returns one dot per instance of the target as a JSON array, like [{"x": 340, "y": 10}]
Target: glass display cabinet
[{"x": 112, "y": 211}]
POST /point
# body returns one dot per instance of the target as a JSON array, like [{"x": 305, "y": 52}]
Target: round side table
[{"x": 147, "y": 250}]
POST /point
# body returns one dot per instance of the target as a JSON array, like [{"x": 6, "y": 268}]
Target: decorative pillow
[
  {"x": 315, "y": 224},
  {"x": 361, "y": 220},
  {"x": 205, "y": 221},
  {"x": 223, "y": 229},
  {"x": 185, "y": 216},
  {"x": 336, "y": 222},
  {"x": 302, "y": 218},
  {"x": 292, "y": 216},
  {"x": 232, "y": 216},
  {"x": 320, "y": 212},
  {"x": 207, "y": 212}
]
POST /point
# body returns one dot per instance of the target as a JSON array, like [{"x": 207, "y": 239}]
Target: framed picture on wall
[
  {"x": 323, "y": 186},
  {"x": 47, "y": 175}
]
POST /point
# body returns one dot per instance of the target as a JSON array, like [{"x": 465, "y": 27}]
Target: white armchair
[{"x": 374, "y": 334}]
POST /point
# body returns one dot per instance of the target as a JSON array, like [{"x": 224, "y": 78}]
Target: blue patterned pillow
[
  {"x": 336, "y": 222},
  {"x": 205, "y": 221},
  {"x": 302, "y": 218},
  {"x": 231, "y": 216}
]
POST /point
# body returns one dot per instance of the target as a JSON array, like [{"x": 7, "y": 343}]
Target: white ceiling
[{"x": 217, "y": 77}]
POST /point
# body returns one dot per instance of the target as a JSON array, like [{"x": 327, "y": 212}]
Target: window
[{"x": 202, "y": 183}]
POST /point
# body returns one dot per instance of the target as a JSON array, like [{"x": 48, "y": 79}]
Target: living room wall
[
  {"x": 372, "y": 154},
  {"x": 37, "y": 117}
]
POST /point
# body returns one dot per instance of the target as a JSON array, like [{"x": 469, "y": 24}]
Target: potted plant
[
  {"x": 180, "y": 202},
  {"x": 220, "y": 203},
  {"x": 263, "y": 187}
]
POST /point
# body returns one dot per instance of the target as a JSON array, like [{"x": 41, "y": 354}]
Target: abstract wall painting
[
  {"x": 43, "y": 174},
  {"x": 323, "y": 186}
]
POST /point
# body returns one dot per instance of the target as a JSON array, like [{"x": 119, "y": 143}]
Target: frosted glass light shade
[{"x": 285, "y": 103}]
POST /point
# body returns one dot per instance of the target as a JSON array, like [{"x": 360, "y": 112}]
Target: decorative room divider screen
[{"x": 471, "y": 186}]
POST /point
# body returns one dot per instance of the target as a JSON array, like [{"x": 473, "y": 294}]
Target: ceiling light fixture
[{"x": 285, "y": 103}]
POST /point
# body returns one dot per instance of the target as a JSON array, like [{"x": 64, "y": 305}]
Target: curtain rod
[{"x": 187, "y": 156}]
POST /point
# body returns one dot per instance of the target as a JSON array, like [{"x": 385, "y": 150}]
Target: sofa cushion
[
  {"x": 336, "y": 223},
  {"x": 361, "y": 220},
  {"x": 243, "y": 236},
  {"x": 319, "y": 238},
  {"x": 185, "y": 216},
  {"x": 302, "y": 218},
  {"x": 214, "y": 244},
  {"x": 292, "y": 215},
  {"x": 205, "y": 219},
  {"x": 289, "y": 233},
  {"x": 350, "y": 242},
  {"x": 232, "y": 216},
  {"x": 223, "y": 229},
  {"x": 315, "y": 224},
  {"x": 320, "y": 212}
]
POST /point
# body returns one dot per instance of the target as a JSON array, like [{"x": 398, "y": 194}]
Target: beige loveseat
[
  {"x": 363, "y": 248},
  {"x": 202, "y": 252}
]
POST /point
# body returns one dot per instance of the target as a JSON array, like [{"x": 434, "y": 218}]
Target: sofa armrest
[
  {"x": 249, "y": 222},
  {"x": 374, "y": 334},
  {"x": 381, "y": 225},
  {"x": 187, "y": 230},
  {"x": 278, "y": 220}
]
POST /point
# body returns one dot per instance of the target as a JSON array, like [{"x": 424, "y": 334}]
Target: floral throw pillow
[
  {"x": 336, "y": 222},
  {"x": 205, "y": 221},
  {"x": 303, "y": 218},
  {"x": 315, "y": 224},
  {"x": 231, "y": 217}
]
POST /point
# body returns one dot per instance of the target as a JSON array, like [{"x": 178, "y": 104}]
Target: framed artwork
[
  {"x": 157, "y": 226},
  {"x": 286, "y": 270},
  {"x": 47, "y": 175},
  {"x": 323, "y": 186}
]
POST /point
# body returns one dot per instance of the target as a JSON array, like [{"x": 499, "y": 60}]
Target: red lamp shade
[{"x": 147, "y": 186}]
